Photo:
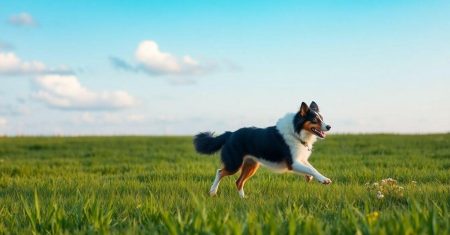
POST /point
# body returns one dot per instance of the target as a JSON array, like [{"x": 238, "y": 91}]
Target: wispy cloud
[
  {"x": 122, "y": 64},
  {"x": 11, "y": 64},
  {"x": 66, "y": 92},
  {"x": 22, "y": 19}
]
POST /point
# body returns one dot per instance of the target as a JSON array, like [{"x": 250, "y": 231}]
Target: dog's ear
[
  {"x": 314, "y": 106},
  {"x": 303, "y": 109}
]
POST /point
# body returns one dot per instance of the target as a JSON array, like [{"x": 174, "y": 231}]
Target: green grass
[{"x": 148, "y": 185}]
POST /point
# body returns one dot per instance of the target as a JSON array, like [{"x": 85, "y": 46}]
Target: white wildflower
[{"x": 380, "y": 195}]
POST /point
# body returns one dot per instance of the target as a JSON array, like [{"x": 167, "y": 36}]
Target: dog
[{"x": 285, "y": 147}]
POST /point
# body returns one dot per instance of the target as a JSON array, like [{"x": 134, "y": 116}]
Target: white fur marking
[
  {"x": 317, "y": 115},
  {"x": 241, "y": 193},
  {"x": 301, "y": 168},
  {"x": 299, "y": 152},
  {"x": 215, "y": 185},
  {"x": 323, "y": 127},
  {"x": 278, "y": 167}
]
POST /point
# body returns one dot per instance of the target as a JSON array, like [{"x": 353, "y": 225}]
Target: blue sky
[{"x": 179, "y": 67}]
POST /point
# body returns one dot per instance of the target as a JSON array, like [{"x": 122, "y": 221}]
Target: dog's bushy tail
[{"x": 206, "y": 143}]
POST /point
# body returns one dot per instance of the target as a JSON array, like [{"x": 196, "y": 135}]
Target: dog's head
[{"x": 310, "y": 120}]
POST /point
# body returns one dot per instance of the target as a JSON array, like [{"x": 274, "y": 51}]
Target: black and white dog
[{"x": 285, "y": 147}]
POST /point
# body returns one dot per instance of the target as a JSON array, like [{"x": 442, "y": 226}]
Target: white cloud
[
  {"x": 156, "y": 62},
  {"x": 66, "y": 92},
  {"x": 11, "y": 64},
  {"x": 22, "y": 19},
  {"x": 179, "y": 69}
]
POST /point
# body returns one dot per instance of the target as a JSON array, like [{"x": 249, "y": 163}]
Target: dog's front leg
[
  {"x": 308, "y": 178},
  {"x": 302, "y": 168}
]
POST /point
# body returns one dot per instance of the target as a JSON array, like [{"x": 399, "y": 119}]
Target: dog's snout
[{"x": 328, "y": 127}]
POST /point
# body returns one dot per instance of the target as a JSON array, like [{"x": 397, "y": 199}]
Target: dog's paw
[
  {"x": 212, "y": 193},
  {"x": 308, "y": 178},
  {"x": 326, "y": 181},
  {"x": 241, "y": 194}
]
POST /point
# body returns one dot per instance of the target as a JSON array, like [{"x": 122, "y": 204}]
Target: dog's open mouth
[{"x": 319, "y": 133}]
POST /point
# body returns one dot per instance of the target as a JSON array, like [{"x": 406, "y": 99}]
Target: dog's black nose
[{"x": 328, "y": 127}]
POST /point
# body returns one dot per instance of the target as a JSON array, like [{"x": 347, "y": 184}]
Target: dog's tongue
[{"x": 319, "y": 133}]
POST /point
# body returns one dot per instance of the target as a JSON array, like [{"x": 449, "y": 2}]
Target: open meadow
[{"x": 159, "y": 185}]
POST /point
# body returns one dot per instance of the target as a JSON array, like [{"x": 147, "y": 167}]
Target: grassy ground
[{"x": 159, "y": 185}]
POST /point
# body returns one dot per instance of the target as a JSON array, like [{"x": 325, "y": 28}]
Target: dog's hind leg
[
  {"x": 232, "y": 162},
  {"x": 248, "y": 169},
  {"x": 219, "y": 175}
]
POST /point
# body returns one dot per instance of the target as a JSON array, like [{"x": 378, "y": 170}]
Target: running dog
[{"x": 285, "y": 147}]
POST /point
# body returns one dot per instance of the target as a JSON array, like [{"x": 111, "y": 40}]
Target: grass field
[{"x": 160, "y": 185}]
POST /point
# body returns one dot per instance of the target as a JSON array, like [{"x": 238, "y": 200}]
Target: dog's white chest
[
  {"x": 300, "y": 153},
  {"x": 294, "y": 141}
]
